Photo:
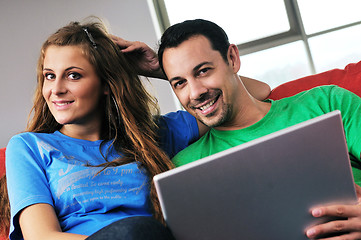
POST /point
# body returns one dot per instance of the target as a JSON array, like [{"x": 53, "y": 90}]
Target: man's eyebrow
[
  {"x": 174, "y": 79},
  {"x": 195, "y": 69}
]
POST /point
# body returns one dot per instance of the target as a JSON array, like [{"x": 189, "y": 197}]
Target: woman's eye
[
  {"x": 49, "y": 76},
  {"x": 74, "y": 76}
]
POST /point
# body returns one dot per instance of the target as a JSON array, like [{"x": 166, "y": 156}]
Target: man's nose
[{"x": 196, "y": 89}]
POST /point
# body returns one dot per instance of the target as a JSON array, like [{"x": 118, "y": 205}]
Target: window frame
[{"x": 297, "y": 31}]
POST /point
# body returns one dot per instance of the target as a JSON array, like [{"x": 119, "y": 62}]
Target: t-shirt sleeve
[
  {"x": 350, "y": 106},
  {"x": 177, "y": 131},
  {"x": 26, "y": 180},
  {"x": 186, "y": 156}
]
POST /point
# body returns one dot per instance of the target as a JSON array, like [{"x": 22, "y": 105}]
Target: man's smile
[{"x": 207, "y": 104}]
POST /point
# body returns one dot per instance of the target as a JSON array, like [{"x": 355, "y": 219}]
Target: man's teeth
[{"x": 207, "y": 105}]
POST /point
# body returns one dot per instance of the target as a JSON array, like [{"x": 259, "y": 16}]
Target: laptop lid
[{"x": 262, "y": 189}]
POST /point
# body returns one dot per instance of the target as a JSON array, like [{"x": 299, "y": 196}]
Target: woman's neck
[{"x": 90, "y": 133}]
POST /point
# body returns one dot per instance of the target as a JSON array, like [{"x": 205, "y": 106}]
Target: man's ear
[{"x": 233, "y": 58}]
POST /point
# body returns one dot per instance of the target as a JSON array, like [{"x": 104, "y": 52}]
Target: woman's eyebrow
[{"x": 69, "y": 68}]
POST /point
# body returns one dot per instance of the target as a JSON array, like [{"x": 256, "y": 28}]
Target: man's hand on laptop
[{"x": 349, "y": 228}]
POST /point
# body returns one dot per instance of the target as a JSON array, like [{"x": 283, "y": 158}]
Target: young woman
[{"x": 92, "y": 146}]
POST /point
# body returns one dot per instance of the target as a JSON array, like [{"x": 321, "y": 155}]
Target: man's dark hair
[{"x": 180, "y": 32}]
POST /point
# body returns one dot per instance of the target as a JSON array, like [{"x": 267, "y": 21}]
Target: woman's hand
[
  {"x": 349, "y": 228},
  {"x": 141, "y": 56}
]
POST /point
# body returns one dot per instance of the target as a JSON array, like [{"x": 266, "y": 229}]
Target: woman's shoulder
[
  {"x": 31, "y": 136},
  {"x": 31, "y": 139}
]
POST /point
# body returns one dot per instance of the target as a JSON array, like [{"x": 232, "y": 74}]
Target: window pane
[
  {"x": 319, "y": 15},
  {"x": 243, "y": 21},
  {"x": 276, "y": 65},
  {"x": 336, "y": 49}
]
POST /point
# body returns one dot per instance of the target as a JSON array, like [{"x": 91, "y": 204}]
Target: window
[
  {"x": 240, "y": 12},
  {"x": 279, "y": 40},
  {"x": 319, "y": 15}
]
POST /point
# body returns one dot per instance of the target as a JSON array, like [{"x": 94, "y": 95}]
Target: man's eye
[
  {"x": 74, "y": 76},
  {"x": 203, "y": 71},
  {"x": 178, "y": 83},
  {"x": 49, "y": 76}
]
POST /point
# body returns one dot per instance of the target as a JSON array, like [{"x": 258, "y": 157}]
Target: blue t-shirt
[{"x": 56, "y": 169}]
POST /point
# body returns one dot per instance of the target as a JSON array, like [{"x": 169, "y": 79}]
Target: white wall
[{"x": 26, "y": 24}]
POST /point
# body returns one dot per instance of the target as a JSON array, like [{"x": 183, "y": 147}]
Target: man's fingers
[
  {"x": 121, "y": 42},
  {"x": 340, "y": 227},
  {"x": 337, "y": 211},
  {"x": 130, "y": 48}
]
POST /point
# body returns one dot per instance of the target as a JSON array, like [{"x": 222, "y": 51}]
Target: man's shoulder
[
  {"x": 313, "y": 95},
  {"x": 324, "y": 90},
  {"x": 327, "y": 92},
  {"x": 189, "y": 154}
]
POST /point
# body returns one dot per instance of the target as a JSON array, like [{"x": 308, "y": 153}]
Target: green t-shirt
[{"x": 284, "y": 113}]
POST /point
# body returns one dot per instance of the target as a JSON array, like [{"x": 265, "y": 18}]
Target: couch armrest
[
  {"x": 348, "y": 78},
  {"x": 2, "y": 162}
]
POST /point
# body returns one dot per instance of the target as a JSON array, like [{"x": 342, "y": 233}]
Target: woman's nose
[{"x": 58, "y": 87}]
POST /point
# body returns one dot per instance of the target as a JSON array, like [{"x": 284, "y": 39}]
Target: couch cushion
[
  {"x": 2, "y": 162},
  {"x": 348, "y": 78}
]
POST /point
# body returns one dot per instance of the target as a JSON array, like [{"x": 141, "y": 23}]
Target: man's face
[{"x": 205, "y": 84}]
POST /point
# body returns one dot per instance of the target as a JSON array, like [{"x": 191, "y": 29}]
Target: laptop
[{"x": 263, "y": 189}]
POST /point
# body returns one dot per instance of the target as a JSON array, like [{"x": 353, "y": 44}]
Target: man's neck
[{"x": 247, "y": 115}]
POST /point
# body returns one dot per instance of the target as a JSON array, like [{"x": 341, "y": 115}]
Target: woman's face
[{"x": 71, "y": 88}]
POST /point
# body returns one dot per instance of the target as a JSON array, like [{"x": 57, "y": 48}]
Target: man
[{"x": 202, "y": 68}]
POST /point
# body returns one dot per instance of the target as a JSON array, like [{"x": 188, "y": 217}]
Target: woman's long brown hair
[{"x": 128, "y": 108}]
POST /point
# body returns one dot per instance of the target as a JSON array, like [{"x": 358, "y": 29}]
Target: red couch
[
  {"x": 2, "y": 162},
  {"x": 348, "y": 78},
  {"x": 3, "y": 232}
]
